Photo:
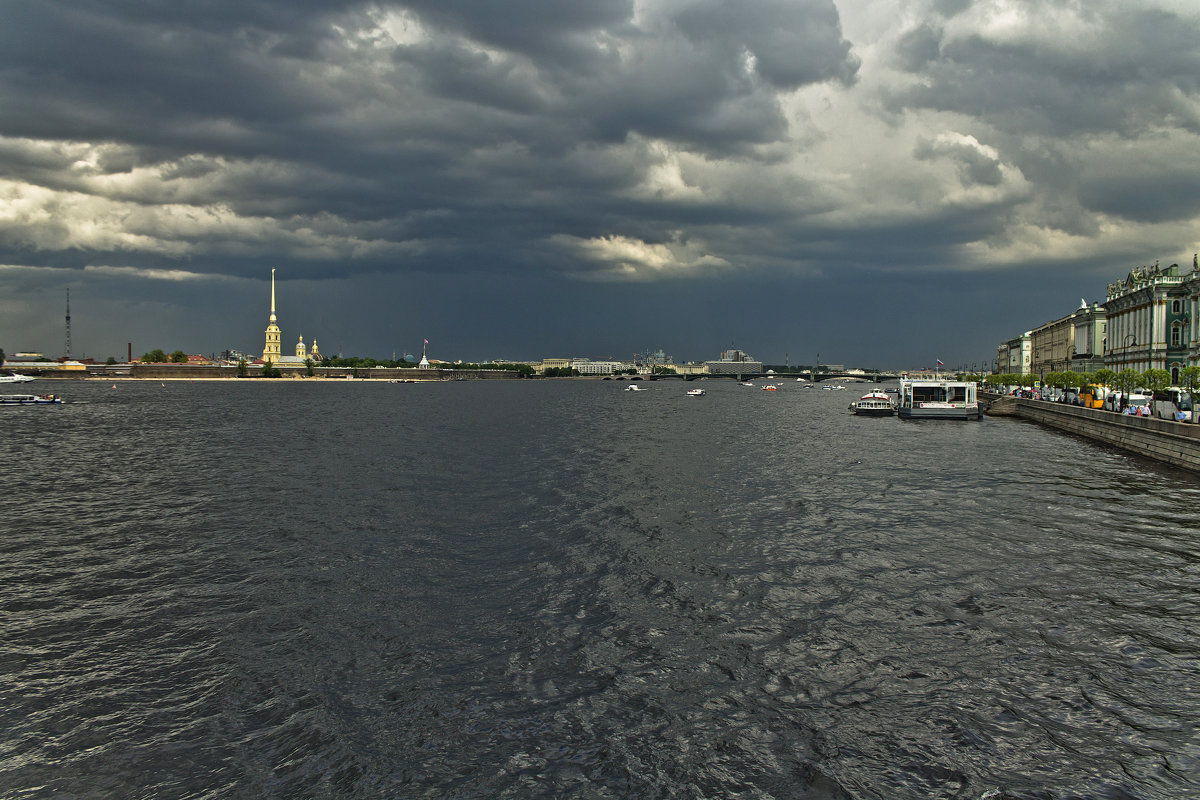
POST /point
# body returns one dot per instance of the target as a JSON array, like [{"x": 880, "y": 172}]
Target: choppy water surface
[{"x": 559, "y": 589}]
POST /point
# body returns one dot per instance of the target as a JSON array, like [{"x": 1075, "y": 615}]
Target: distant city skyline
[
  {"x": 884, "y": 183},
  {"x": 549, "y": 351}
]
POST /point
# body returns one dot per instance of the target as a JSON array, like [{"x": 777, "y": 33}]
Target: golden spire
[{"x": 271, "y": 343}]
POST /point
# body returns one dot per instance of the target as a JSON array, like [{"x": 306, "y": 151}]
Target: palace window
[
  {"x": 1175, "y": 336},
  {"x": 1176, "y": 306}
]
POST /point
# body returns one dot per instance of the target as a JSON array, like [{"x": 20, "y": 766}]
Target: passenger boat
[
  {"x": 936, "y": 398},
  {"x": 695, "y": 392},
  {"x": 13, "y": 377},
  {"x": 874, "y": 404},
  {"x": 29, "y": 399}
]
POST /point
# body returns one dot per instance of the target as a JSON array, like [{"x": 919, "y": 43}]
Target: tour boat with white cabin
[
  {"x": 874, "y": 404},
  {"x": 29, "y": 399},
  {"x": 937, "y": 398},
  {"x": 13, "y": 377},
  {"x": 695, "y": 392}
]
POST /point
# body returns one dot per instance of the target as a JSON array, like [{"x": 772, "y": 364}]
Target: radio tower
[{"x": 68, "y": 323}]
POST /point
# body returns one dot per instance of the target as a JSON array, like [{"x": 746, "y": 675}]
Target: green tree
[
  {"x": 1190, "y": 379},
  {"x": 108, "y": 362},
  {"x": 524, "y": 369},
  {"x": 1126, "y": 381},
  {"x": 241, "y": 368},
  {"x": 1105, "y": 377},
  {"x": 269, "y": 370},
  {"x": 308, "y": 367},
  {"x": 155, "y": 356},
  {"x": 1156, "y": 380},
  {"x": 179, "y": 357}
]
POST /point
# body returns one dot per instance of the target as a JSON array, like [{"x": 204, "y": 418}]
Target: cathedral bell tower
[{"x": 271, "y": 347}]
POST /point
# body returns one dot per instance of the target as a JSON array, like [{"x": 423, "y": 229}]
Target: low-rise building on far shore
[{"x": 734, "y": 362}]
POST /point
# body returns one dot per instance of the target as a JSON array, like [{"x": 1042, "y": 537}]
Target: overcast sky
[{"x": 882, "y": 182}]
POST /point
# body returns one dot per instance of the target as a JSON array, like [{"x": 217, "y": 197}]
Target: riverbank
[
  {"x": 198, "y": 372},
  {"x": 1174, "y": 443}
]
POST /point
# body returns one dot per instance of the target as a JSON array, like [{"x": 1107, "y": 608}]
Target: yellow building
[{"x": 271, "y": 347}]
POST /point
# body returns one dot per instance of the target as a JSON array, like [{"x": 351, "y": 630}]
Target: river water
[{"x": 559, "y": 589}]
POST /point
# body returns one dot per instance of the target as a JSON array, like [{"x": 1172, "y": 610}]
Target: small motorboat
[
  {"x": 13, "y": 377},
  {"x": 29, "y": 399},
  {"x": 633, "y": 387},
  {"x": 695, "y": 392},
  {"x": 770, "y": 387}
]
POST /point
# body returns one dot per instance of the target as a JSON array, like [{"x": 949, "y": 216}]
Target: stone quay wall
[{"x": 1174, "y": 443}]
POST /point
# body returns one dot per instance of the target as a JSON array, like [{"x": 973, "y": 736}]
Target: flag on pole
[
  {"x": 940, "y": 364},
  {"x": 426, "y": 341}
]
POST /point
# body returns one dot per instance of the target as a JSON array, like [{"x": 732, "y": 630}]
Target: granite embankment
[{"x": 1174, "y": 443}]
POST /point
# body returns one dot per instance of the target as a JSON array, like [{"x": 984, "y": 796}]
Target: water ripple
[{"x": 557, "y": 589}]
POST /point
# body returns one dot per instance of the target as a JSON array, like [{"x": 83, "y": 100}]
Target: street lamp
[{"x": 1129, "y": 340}]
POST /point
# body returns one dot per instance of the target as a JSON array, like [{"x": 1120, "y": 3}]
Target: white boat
[
  {"x": 745, "y": 383},
  {"x": 634, "y": 388},
  {"x": 29, "y": 399},
  {"x": 874, "y": 404},
  {"x": 695, "y": 392},
  {"x": 936, "y": 398},
  {"x": 770, "y": 387},
  {"x": 13, "y": 377}
]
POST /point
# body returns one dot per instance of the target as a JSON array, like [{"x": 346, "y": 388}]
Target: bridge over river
[{"x": 874, "y": 377}]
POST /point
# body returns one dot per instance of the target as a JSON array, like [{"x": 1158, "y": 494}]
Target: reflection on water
[{"x": 551, "y": 589}]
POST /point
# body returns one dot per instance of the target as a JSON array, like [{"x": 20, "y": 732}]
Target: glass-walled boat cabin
[{"x": 937, "y": 399}]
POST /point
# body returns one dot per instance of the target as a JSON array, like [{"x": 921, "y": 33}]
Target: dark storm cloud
[
  {"x": 596, "y": 151},
  {"x": 1162, "y": 196},
  {"x": 537, "y": 28},
  {"x": 793, "y": 42},
  {"x": 284, "y": 112},
  {"x": 975, "y": 166},
  {"x": 1126, "y": 72}
]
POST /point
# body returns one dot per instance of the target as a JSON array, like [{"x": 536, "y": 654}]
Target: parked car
[
  {"x": 1138, "y": 405},
  {"x": 1115, "y": 401},
  {"x": 1070, "y": 397}
]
